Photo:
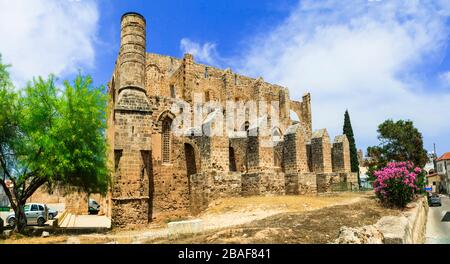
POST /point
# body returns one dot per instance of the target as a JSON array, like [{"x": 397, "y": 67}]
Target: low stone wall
[
  {"x": 206, "y": 187},
  {"x": 408, "y": 228},
  {"x": 326, "y": 180},
  {"x": 263, "y": 183},
  {"x": 301, "y": 183},
  {"x": 130, "y": 212}
]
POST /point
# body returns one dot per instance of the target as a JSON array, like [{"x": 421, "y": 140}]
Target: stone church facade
[{"x": 160, "y": 174}]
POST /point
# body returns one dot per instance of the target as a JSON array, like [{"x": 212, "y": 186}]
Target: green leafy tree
[
  {"x": 399, "y": 141},
  {"x": 348, "y": 131},
  {"x": 51, "y": 137}
]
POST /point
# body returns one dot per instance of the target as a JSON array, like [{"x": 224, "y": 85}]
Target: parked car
[
  {"x": 434, "y": 199},
  {"x": 52, "y": 214},
  {"x": 93, "y": 207},
  {"x": 35, "y": 214}
]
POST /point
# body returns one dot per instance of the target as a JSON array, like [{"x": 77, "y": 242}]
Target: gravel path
[{"x": 210, "y": 221}]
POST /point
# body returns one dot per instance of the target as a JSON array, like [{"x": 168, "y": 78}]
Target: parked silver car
[
  {"x": 93, "y": 207},
  {"x": 35, "y": 214}
]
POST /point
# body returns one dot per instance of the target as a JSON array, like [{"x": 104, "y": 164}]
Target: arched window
[
  {"x": 294, "y": 117},
  {"x": 277, "y": 138},
  {"x": 166, "y": 138},
  {"x": 277, "y": 135}
]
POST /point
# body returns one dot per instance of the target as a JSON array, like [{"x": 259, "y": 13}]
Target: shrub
[{"x": 398, "y": 183}]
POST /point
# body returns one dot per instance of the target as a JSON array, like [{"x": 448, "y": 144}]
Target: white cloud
[
  {"x": 205, "y": 53},
  {"x": 359, "y": 55},
  {"x": 445, "y": 77},
  {"x": 42, "y": 37}
]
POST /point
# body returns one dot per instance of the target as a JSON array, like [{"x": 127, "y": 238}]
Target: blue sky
[
  {"x": 379, "y": 59},
  {"x": 225, "y": 23}
]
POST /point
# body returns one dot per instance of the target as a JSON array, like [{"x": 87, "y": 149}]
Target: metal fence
[{"x": 348, "y": 187}]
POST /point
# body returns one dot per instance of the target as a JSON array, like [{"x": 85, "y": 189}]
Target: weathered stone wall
[
  {"x": 77, "y": 203},
  {"x": 321, "y": 152},
  {"x": 263, "y": 183},
  {"x": 295, "y": 155},
  {"x": 301, "y": 183},
  {"x": 306, "y": 115},
  {"x": 239, "y": 146},
  {"x": 326, "y": 180},
  {"x": 130, "y": 211},
  {"x": 171, "y": 180},
  {"x": 43, "y": 196},
  {"x": 253, "y": 153},
  {"x": 206, "y": 187},
  {"x": 132, "y": 161},
  {"x": 352, "y": 178},
  {"x": 341, "y": 154}
]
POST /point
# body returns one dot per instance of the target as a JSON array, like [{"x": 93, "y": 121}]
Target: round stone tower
[
  {"x": 132, "y": 186},
  {"x": 132, "y": 52}
]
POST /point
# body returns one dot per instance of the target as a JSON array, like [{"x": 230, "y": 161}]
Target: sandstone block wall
[
  {"x": 295, "y": 153},
  {"x": 301, "y": 183},
  {"x": 263, "y": 184},
  {"x": 341, "y": 154},
  {"x": 325, "y": 181},
  {"x": 130, "y": 211},
  {"x": 206, "y": 187},
  {"x": 239, "y": 148},
  {"x": 321, "y": 152}
]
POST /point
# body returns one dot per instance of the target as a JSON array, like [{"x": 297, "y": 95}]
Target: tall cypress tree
[{"x": 348, "y": 131}]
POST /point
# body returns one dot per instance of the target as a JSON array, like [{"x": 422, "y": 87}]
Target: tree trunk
[{"x": 21, "y": 219}]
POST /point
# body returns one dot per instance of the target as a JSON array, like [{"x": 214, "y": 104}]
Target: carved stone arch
[
  {"x": 164, "y": 124},
  {"x": 196, "y": 150},
  {"x": 154, "y": 66},
  {"x": 296, "y": 107},
  {"x": 277, "y": 134},
  {"x": 278, "y": 150},
  {"x": 163, "y": 115}
]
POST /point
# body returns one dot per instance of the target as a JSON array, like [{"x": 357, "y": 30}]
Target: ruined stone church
[{"x": 160, "y": 174}]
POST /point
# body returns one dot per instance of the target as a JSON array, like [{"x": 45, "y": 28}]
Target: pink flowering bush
[{"x": 398, "y": 183}]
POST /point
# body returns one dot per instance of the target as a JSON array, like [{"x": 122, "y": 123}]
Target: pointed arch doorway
[{"x": 189, "y": 153}]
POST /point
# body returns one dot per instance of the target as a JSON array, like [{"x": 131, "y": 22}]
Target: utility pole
[{"x": 435, "y": 157}]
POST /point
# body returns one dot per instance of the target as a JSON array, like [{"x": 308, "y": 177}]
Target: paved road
[{"x": 438, "y": 232}]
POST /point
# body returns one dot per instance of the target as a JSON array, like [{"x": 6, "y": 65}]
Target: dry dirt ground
[{"x": 277, "y": 219}]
